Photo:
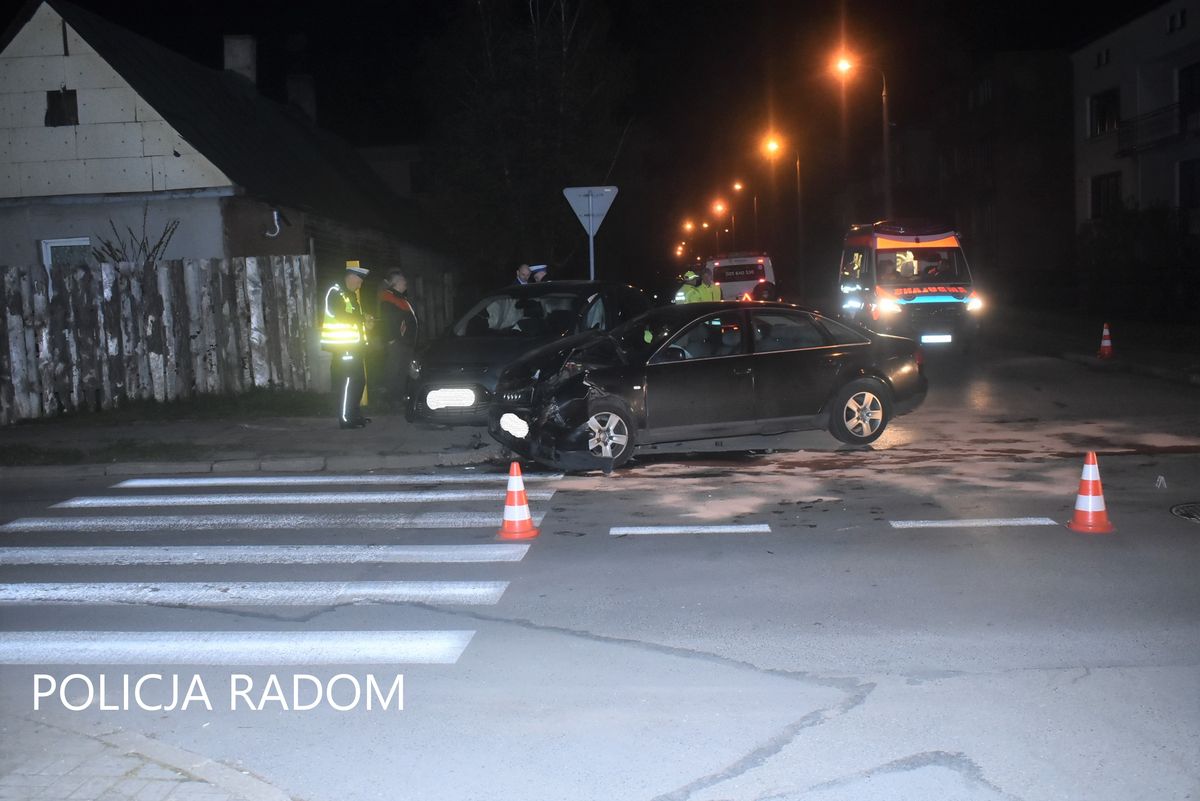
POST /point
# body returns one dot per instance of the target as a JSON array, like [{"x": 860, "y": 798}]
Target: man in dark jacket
[{"x": 399, "y": 336}]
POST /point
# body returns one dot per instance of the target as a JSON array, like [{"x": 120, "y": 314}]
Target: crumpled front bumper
[{"x": 557, "y": 437}]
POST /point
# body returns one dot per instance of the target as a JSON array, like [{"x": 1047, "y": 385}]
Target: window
[
  {"x": 719, "y": 335},
  {"x": 776, "y": 331},
  {"x": 1106, "y": 194},
  {"x": 856, "y": 273},
  {"x": 61, "y": 108},
  {"x": 1105, "y": 112},
  {"x": 66, "y": 252},
  {"x": 842, "y": 334}
]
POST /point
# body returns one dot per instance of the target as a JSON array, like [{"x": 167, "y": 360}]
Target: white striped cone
[
  {"x": 1090, "y": 516},
  {"x": 1106, "y": 348},
  {"x": 518, "y": 523}
]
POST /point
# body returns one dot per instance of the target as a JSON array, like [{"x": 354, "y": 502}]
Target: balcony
[{"x": 1156, "y": 128}]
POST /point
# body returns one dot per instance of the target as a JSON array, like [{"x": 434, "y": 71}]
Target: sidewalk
[
  {"x": 1169, "y": 352},
  {"x": 41, "y": 762},
  {"x": 276, "y": 444}
]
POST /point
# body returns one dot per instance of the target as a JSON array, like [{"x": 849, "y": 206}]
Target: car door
[
  {"x": 700, "y": 383},
  {"x": 795, "y": 367}
]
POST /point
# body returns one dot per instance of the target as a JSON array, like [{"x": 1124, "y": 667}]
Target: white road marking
[
  {"x": 760, "y": 528},
  {"x": 982, "y": 522},
  {"x": 173, "y": 523},
  {"x": 281, "y": 498},
  {"x": 232, "y": 647},
  {"x": 318, "y": 480},
  {"x": 262, "y": 554},
  {"x": 256, "y": 593}
]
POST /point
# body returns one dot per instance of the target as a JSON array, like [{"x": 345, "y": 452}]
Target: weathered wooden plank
[
  {"x": 153, "y": 349},
  {"x": 6, "y": 386},
  {"x": 61, "y": 336},
  {"x": 276, "y": 307},
  {"x": 260, "y": 370},
  {"x": 87, "y": 334},
  {"x": 29, "y": 328},
  {"x": 212, "y": 325},
  {"x": 193, "y": 294},
  {"x": 241, "y": 318},
  {"x": 168, "y": 377},
  {"x": 130, "y": 332},
  {"x": 39, "y": 296},
  {"x": 231, "y": 327},
  {"x": 17, "y": 396},
  {"x": 116, "y": 383}
]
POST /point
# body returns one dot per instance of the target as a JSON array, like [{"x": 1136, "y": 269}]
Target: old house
[{"x": 99, "y": 125}]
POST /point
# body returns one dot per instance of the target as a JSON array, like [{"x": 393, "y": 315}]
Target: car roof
[{"x": 555, "y": 286}]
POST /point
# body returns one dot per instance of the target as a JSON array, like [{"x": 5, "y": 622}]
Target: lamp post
[
  {"x": 844, "y": 65},
  {"x": 719, "y": 208},
  {"x": 772, "y": 148}
]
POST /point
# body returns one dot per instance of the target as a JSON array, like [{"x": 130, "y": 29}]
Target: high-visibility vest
[
  {"x": 342, "y": 327},
  {"x": 687, "y": 294},
  {"x": 707, "y": 292}
]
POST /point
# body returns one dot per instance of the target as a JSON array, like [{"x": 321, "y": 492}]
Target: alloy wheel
[
  {"x": 609, "y": 435},
  {"x": 863, "y": 414}
]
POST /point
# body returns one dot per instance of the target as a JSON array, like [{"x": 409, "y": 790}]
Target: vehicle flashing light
[{"x": 974, "y": 303}]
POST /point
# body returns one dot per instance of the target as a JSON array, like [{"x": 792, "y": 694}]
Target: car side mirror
[{"x": 674, "y": 353}]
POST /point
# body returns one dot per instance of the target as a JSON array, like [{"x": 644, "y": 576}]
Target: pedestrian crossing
[{"x": 463, "y": 497}]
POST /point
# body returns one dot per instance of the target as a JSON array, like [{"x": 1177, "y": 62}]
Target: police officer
[
  {"x": 707, "y": 290},
  {"x": 688, "y": 292},
  {"x": 344, "y": 334}
]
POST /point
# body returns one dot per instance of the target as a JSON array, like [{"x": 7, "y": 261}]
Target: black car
[
  {"x": 454, "y": 377},
  {"x": 703, "y": 371}
]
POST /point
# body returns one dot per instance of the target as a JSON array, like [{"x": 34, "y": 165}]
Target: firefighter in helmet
[{"x": 344, "y": 334}]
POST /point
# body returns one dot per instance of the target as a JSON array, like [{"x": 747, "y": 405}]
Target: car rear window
[{"x": 842, "y": 334}]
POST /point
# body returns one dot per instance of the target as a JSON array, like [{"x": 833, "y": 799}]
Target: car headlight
[
  {"x": 889, "y": 306},
  {"x": 974, "y": 303}
]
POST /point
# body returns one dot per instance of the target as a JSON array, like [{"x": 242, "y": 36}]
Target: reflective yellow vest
[
  {"x": 343, "y": 327},
  {"x": 687, "y": 294},
  {"x": 706, "y": 293}
]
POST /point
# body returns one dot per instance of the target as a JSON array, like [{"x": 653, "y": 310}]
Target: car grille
[
  {"x": 483, "y": 399},
  {"x": 934, "y": 312}
]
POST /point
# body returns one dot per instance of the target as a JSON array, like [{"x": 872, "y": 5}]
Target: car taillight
[{"x": 919, "y": 357}]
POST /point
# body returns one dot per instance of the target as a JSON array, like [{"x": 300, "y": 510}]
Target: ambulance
[{"x": 910, "y": 279}]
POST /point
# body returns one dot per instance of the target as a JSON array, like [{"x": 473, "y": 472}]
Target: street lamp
[
  {"x": 738, "y": 186},
  {"x": 843, "y": 66},
  {"x": 689, "y": 226},
  {"x": 772, "y": 149}
]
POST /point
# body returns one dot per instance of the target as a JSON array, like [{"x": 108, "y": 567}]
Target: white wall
[
  {"x": 120, "y": 144},
  {"x": 1144, "y": 59}
]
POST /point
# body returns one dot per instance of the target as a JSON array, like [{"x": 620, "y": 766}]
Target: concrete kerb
[
  {"x": 237, "y": 783},
  {"x": 1164, "y": 373},
  {"x": 313, "y": 464}
]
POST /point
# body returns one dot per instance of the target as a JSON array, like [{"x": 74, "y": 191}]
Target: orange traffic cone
[
  {"x": 1090, "y": 515},
  {"x": 1106, "y": 344},
  {"x": 518, "y": 523}
]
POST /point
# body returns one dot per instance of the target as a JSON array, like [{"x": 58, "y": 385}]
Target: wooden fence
[{"x": 94, "y": 336}]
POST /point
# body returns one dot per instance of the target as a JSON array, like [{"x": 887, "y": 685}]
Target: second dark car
[
  {"x": 700, "y": 372},
  {"x": 454, "y": 376}
]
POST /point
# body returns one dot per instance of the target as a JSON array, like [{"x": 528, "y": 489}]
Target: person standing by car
[
  {"x": 523, "y": 273},
  {"x": 689, "y": 291},
  {"x": 344, "y": 334},
  {"x": 399, "y": 336},
  {"x": 707, "y": 290},
  {"x": 538, "y": 271}
]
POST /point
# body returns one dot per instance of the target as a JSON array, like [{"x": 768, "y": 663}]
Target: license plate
[
  {"x": 446, "y": 398},
  {"x": 933, "y": 338}
]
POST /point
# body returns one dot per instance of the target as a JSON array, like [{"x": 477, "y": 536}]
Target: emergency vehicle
[
  {"x": 910, "y": 279},
  {"x": 739, "y": 273}
]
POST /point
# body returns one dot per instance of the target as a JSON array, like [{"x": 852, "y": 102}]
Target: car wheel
[
  {"x": 609, "y": 433},
  {"x": 860, "y": 411}
]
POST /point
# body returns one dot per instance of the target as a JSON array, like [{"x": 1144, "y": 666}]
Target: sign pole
[{"x": 591, "y": 240}]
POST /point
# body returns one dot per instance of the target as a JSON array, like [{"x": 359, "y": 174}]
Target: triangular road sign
[{"x": 590, "y": 204}]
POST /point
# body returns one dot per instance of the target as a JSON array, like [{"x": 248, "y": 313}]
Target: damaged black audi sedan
[{"x": 703, "y": 372}]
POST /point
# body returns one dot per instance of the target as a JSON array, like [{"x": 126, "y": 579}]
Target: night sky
[{"x": 705, "y": 78}]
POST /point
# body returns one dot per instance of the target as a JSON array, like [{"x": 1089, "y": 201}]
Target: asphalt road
[{"x": 837, "y": 646}]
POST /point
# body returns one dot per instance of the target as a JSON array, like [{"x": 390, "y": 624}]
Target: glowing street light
[
  {"x": 719, "y": 207},
  {"x": 737, "y": 186},
  {"x": 689, "y": 226}
]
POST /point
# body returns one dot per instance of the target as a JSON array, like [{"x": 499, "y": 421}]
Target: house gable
[{"x": 120, "y": 144}]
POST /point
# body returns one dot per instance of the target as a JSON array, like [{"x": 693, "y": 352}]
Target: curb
[
  {"x": 268, "y": 464},
  {"x": 1164, "y": 373},
  {"x": 240, "y": 784}
]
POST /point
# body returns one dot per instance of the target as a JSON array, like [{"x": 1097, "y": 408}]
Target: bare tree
[{"x": 136, "y": 249}]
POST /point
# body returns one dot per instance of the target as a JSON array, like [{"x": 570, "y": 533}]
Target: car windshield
[
  {"x": 917, "y": 266},
  {"x": 521, "y": 315}
]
